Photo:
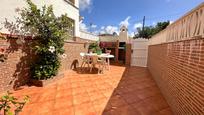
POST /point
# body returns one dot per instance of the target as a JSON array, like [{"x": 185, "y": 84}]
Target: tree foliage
[
  {"x": 49, "y": 33},
  {"x": 149, "y": 31}
]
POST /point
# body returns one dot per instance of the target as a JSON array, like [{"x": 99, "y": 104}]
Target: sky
[{"x": 106, "y": 16}]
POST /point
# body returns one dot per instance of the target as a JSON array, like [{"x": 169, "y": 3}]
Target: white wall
[
  {"x": 140, "y": 52},
  {"x": 7, "y": 10},
  {"x": 88, "y": 36},
  {"x": 123, "y": 35}
]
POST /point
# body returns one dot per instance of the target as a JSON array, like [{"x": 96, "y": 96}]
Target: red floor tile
[{"x": 121, "y": 91}]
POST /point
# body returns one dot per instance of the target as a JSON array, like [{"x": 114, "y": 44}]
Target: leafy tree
[
  {"x": 49, "y": 33},
  {"x": 149, "y": 31}
]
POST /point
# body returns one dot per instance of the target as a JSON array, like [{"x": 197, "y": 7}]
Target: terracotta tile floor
[{"x": 121, "y": 91}]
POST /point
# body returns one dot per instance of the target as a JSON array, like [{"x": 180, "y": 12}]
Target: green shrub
[
  {"x": 94, "y": 47},
  {"x": 7, "y": 101},
  {"x": 49, "y": 33}
]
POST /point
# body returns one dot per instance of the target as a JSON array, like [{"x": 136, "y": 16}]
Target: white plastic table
[{"x": 103, "y": 55}]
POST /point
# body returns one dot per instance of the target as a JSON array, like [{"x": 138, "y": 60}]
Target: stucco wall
[
  {"x": 7, "y": 10},
  {"x": 108, "y": 38}
]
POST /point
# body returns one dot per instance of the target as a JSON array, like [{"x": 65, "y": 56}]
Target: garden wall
[
  {"x": 73, "y": 59},
  {"x": 178, "y": 69},
  {"x": 15, "y": 70}
]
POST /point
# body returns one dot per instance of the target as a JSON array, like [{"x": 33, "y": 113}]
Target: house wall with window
[{"x": 70, "y": 7}]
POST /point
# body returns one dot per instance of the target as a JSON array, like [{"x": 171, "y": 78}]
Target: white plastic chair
[
  {"x": 97, "y": 61},
  {"x": 85, "y": 60}
]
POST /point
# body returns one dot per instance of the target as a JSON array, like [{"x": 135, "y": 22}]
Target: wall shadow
[
  {"x": 136, "y": 94},
  {"x": 22, "y": 57},
  {"x": 86, "y": 70}
]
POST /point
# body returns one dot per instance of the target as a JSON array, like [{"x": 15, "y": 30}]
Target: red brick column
[
  {"x": 128, "y": 53},
  {"x": 117, "y": 51}
]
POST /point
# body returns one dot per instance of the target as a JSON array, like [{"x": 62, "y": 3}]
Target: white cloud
[
  {"x": 132, "y": 34},
  {"x": 93, "y": 26},
  {"x": 125, "y": 22},
  {"x": 154, "y": 23},
  {"x": 103, "y": 27},
  {"x": 102, "y": 32},
  {"x": 83, "y": 27},
  {"x": 85, "y": 4},
  {"x": 108, "y": 30},
  {"x": 111, "y": 29},
  {"x": 96, "y": 32},
  {"x": 137, "y": 25},
  {"x": 171, "y": 22}
]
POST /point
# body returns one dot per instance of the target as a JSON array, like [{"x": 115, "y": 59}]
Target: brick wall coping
[
  {"x": 189, "y": 26},
  {"x": 194, "y": 38}
]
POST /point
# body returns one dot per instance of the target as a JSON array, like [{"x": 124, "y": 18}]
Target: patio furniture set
[{"x": 91, "y": 60}]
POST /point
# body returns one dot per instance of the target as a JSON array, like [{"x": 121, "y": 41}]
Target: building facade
[
  {"x": 70, "y": 7},
  {"x": 118, "y": 44},
  {"x": 122, "y": 37}
]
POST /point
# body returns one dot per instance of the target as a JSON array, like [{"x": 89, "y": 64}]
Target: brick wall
[
  {"x": 128, "y": 54},
  {"x": 73, "y": 59},
  {"x": 15, "y": 70},
  {"x": 178, "y": 69}
]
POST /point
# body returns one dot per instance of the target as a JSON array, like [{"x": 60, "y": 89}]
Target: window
[{"x": 71, "y": 29}]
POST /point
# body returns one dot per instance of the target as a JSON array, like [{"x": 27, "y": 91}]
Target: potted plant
[
  {"x": 94, "y": 47},
  {"x": 98, "y": 51}
]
